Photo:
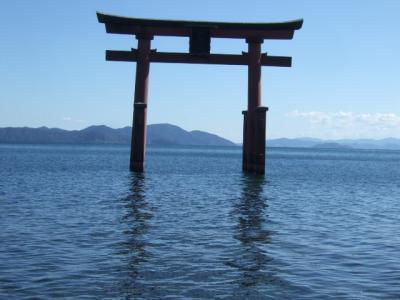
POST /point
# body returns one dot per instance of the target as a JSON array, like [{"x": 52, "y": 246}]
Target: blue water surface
[{"x": 76, "y": 224}]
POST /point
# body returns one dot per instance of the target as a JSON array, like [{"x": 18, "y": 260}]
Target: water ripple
[{"x": 75, "y": 224}]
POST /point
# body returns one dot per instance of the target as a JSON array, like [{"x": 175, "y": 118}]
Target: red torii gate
[{"x": 200, "y": 34}]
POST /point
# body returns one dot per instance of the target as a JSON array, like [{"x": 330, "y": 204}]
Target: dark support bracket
[{"x": 200, "y": 41}]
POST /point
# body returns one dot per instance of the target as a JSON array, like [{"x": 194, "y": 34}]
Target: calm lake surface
[{"x": 76, "y": 224}]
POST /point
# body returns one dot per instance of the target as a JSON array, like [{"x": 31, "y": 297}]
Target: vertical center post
[
  {"x": 255, "y": 116},
  {"x": 138, "y": 142}
]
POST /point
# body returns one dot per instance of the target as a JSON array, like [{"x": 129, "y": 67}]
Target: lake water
[{"x": 75, "y": 224}]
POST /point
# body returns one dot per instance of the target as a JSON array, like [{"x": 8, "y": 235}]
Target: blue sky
[{"x": 344, "y": 82}]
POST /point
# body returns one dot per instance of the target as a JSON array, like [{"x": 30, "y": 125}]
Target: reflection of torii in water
[
  {"x": 250, "y": 260},
  {"x": 200, "y": 34},
  {"x": 137, "y": 218}
]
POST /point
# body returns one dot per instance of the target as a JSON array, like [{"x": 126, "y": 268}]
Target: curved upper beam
[
  {"x": 107, "y": 18},
  {"x": 126, "y": 25}
]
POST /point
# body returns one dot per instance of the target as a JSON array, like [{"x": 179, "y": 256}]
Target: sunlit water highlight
[{"x": 75, "y": 224}]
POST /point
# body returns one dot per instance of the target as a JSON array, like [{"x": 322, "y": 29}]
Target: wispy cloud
[
  {"x": 69, "y": 119},
  {"x": 347, "y": 118},
  {"x": 346, "y": 124}
]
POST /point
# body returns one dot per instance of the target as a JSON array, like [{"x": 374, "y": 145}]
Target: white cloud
[
  {"x": 348, "y": 124},
  {"x": 69, "y": 119},
  {"x": 377, "y": 119},
  {"x": 389, "y": 119}
]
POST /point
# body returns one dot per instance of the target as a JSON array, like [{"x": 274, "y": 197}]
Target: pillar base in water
[
  {"x": 136, "y": 166},
  {"x": 254, "y": 138}
]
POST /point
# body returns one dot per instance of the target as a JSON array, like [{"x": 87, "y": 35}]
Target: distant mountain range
[
  {"x": 167, "y": 134},
  {"x": 157, "y": 134},
  {"x": 388, "y": 143}
]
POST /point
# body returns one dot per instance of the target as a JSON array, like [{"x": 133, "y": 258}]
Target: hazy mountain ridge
[
  {"x": 387, "y": 143},
  {"x": 157, "y": 134},
  {"x": 173, "y": 135},
  {"x": 167, "y": 134}
]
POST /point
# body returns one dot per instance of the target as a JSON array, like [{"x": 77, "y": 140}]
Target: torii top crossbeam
[
  {"x": 200, "y": 34},
  {"x": 126, "y": 25}
]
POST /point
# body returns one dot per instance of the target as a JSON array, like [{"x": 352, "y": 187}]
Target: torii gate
[{"x": 200, "y": 34}]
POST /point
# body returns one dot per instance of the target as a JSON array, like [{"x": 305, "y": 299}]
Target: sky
[{"x": 344, "y": 82}]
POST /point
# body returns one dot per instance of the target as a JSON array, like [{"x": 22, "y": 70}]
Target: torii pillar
[
  {"x": 254, "y": 119},
  {"x": 200, "y": 34},
  {"x": 138, "y": 141}
]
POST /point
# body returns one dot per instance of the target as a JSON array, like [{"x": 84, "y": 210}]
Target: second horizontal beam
[{"x": 218, "y": 59}]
